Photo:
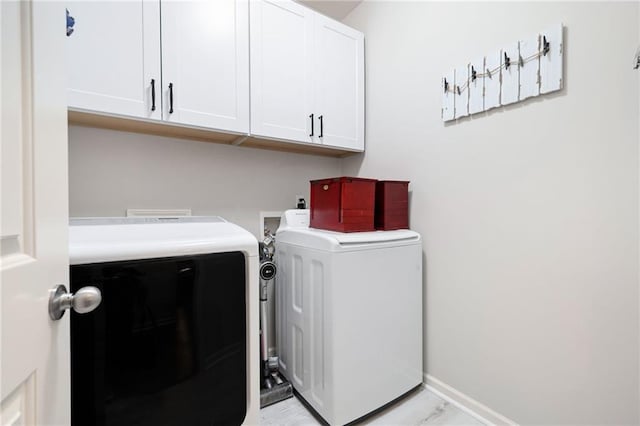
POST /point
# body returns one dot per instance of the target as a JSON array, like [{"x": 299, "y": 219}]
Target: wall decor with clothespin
[{"x": 520, "y": 70}]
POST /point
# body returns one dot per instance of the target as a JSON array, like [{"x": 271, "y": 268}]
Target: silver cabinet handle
[{"x": 84, "y": 300}]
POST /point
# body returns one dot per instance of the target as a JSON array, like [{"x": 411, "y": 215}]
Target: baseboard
[{"x": 467, "y": 404}]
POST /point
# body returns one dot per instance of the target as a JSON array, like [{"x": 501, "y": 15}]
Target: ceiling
[{"x": 336, "y": 9}]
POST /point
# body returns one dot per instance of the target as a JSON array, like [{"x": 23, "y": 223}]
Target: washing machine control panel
[{"x": 296, "y": 218}]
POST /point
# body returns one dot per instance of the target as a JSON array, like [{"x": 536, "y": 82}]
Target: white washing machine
[
  {"x": 349, "y": 316},
  {"x": 175, "y": 339}
]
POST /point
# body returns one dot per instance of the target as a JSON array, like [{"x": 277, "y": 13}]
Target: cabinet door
[
  {"x": 113, "y": 55},
  {"x": 281, "y": 65},
  {"x": 339, "y": 84},
  {"x": 205, "y": 63}
]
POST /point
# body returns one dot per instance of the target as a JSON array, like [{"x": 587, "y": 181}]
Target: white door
[
  {"x": 205, "y": 63},
  {"x": 34, "y": 357},
  {"x": 281, "y": 67},
  {"x": 339, "y": 84},
  {"x": 114, "y": 57}
]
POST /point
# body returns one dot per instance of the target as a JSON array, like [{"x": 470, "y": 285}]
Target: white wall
[
  {"x": 110, "y": 171},
  {"x": 529, "y": 213}
]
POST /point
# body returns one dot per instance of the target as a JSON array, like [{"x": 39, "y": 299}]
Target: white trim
[{"x": 467, "y": 404}]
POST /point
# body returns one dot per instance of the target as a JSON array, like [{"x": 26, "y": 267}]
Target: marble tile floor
[{"x": 421, "y": 407}]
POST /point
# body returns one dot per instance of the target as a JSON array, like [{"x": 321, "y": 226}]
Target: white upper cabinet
[
  {"x": 281, "y": 67},
  {"x": 113, "y": 57},
  {"x": 273, "y": 69},
  {"x": 115, "y": 66},
  {"x": 339, "y": 83},
  {"x": 205, "y": 63},
  {"x": 307, "y": 76}
]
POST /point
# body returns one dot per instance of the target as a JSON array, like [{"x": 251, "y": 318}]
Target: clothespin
[
  {"x": 545, "y": 46},
  {"x": 473, "y": 73},
  {"x": 458, "y": 89},
  {"x": 507, "y": 61},
  {"x": 446, "y": 86},
  {"x": 520, "y": 61},
  {"x": 488, "y": 72}
]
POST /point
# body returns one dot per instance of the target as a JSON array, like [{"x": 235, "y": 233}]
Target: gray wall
[
  {"x": 110, "y": 171},
  {"x": 529, "y": 213}
]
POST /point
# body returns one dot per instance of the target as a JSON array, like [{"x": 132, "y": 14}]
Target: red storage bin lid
[{"x": 341, "y": 179}]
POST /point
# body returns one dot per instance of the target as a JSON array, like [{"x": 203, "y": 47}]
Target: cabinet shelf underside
[{"x": 126, "y": 124}]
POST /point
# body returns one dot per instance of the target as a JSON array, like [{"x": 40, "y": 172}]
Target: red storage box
[
  {"x": 392, "y": 205},
  {"x": 343, "y": 204}
]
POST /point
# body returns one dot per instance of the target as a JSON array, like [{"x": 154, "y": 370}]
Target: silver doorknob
[{"x": 84, "y": 300}]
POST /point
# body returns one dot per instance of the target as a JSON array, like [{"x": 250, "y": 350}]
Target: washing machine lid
[
  {"x": 95, "y": 240},
  {"x": 294, "y": 229}
]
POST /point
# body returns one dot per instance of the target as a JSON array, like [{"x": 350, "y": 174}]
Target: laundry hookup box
[{"x": 343, "y": 204}]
